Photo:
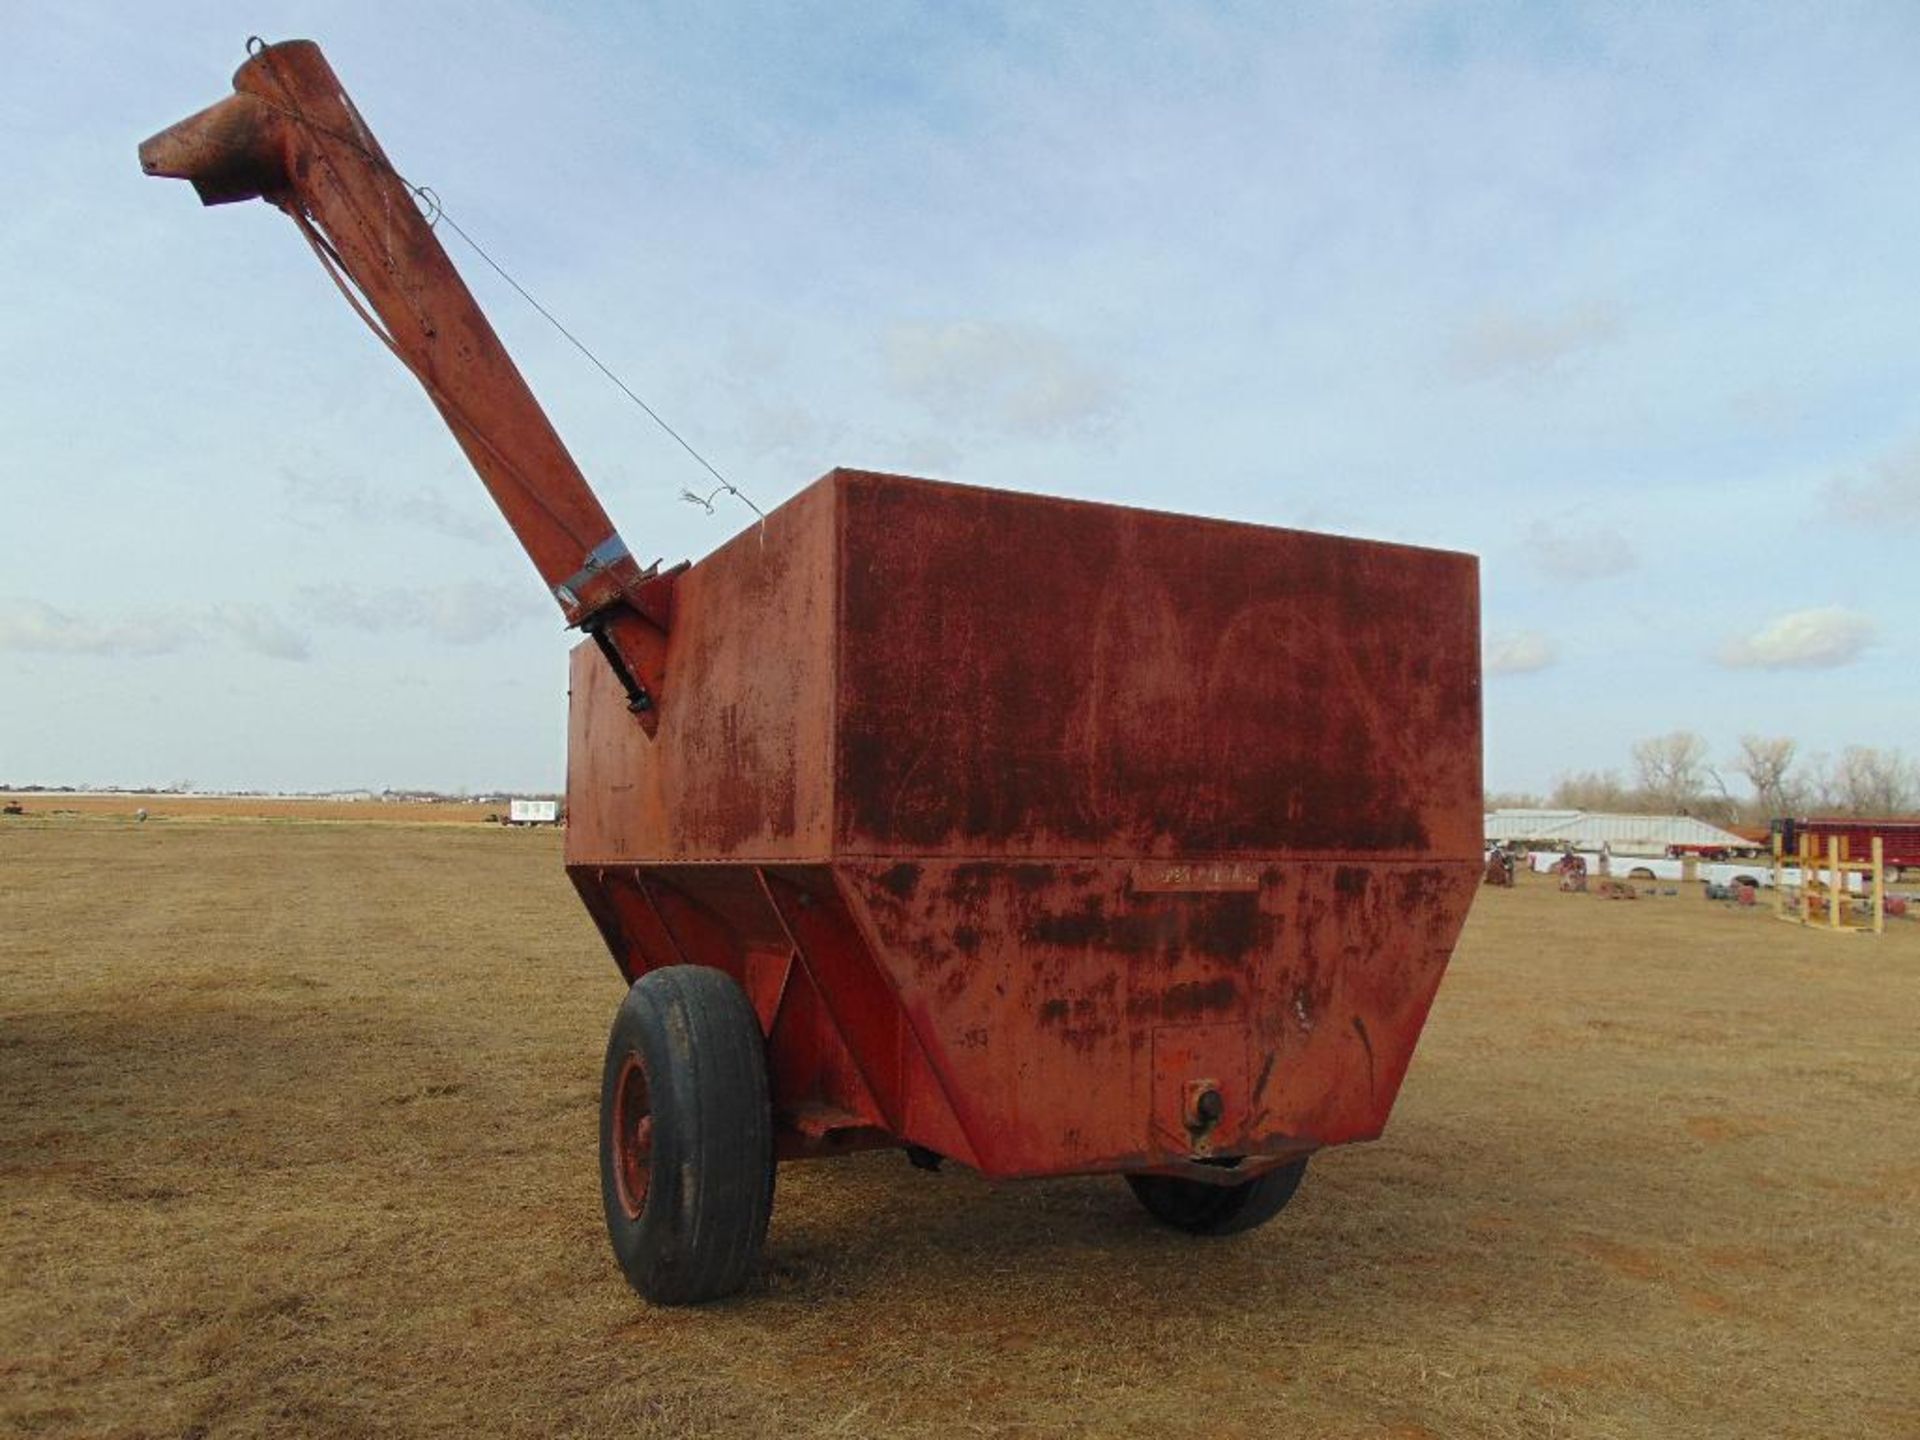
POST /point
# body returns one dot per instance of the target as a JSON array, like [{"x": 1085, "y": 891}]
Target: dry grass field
[
  {"x": 297, "y": 1129},
  {"x": 121, "y": 806}
]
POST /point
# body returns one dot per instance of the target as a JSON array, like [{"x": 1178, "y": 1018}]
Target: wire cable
[{"x": 434, "y": 211}]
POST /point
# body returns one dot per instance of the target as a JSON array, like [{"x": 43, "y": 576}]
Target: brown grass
[
  {"x": 58, "y": 805},
  {"x": 297, "y": 1137}
]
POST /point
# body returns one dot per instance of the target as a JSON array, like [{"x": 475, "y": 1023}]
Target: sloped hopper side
[{"x": 1026, "y": 821}]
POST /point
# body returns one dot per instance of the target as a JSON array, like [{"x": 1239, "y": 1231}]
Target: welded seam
[
  {"x": 856, "y": 911},
  {"x": 821, "y": 992}
]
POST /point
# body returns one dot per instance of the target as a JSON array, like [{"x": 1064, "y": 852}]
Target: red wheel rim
[{"x": 632, "y": 1137}]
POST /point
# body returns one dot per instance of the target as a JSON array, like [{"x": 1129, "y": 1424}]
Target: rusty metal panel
[
  {"x": 846, "y": 1064},
  {"x": 740, "y": 766},
  {"x": 1054, "y": 993},
  {"x": 1033, "y": 676}
]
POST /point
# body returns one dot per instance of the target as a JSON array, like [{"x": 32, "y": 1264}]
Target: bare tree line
[{"x": 1675, "y": 774}]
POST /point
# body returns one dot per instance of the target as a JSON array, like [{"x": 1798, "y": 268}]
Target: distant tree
[
  {"x": 1766, "y": 761},
  {"x": 1591, "y": 790},
  {"x": 1809, "y": 789},
  {"x": 1870, "y": 781},
  {"x": 1672, "y": 768},
  {"x": 1719, "y": 805},
  {"x": 1512, "y": 800}
]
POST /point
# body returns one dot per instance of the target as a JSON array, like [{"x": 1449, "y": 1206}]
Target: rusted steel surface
[
  {"x": 290, "y": 135},
  {"x": 1032, "y": 876},
  {"x": 742, "y": 763},
  {"x": 1042, "y": 676}
]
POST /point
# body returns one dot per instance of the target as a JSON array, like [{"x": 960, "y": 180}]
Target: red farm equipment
[
  {"x": 1049, "y": 837},
  {"x": 1899, "y": 839}
]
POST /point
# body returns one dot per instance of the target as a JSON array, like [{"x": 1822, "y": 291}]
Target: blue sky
[{"x": 1619, "y": 297}]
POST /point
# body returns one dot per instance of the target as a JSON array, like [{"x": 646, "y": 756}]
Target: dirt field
[
  {"x": 297, "y": 1131},
  {"x": 63, "y": 805}
]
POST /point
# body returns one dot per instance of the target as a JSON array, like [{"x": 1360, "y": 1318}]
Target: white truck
[
  {"x": 1650, "y": 867},
  {"x": 533, "y": 812}
]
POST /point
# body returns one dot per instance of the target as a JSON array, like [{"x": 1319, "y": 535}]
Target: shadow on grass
[
  {"x": 238, "y": 1082},
  {"x": 1363, "y": 1224},
  {"x": 196, "y": 1090}
]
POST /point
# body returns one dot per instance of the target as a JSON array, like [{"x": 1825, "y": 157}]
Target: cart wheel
[
  {"x": 686, "y": 1136},
  {"x": 1203, "y": 1209}
]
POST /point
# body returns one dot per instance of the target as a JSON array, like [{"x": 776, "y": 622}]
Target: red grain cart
[
  {"x": 1899, "y": 839},
  {"x": 1049, "y": 837}
]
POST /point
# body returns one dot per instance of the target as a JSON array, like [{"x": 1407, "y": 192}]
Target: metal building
[{"x": 1621, "y": 834}]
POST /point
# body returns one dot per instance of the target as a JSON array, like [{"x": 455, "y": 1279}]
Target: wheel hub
[{"x": 632, "y": 1137}]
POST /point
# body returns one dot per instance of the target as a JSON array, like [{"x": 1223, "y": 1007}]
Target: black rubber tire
[
  {"x": 1203, "y": 1209},
  {"x": 693, "y": 1231}
]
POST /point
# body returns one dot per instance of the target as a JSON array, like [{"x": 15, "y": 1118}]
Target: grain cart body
[
  {"x": 1046, "y": 836},
  {"x": 1025, "y": 821}
]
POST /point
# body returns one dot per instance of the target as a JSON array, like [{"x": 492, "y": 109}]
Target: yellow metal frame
[{"x": 1822, "y": 900}]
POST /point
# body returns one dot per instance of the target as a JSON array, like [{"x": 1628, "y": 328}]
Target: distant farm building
[{"x": 1620, "y": 834}]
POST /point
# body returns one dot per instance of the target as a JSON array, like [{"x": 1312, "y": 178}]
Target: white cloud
[
  {"x": 1818, "y": 639},
  {"x": 31, "y": 625},
  {"x": 1591, "y": 553},
  {"x": 1504, "y": 342},
  {"x": 35, "y": 626},
  {"x": 1015, "y": 378},
  {"x": 925, "y": 454},
  {"x": 464, "y": 613},
  {"x": 1887, "y": 494},
  {"x": 1517, "y": 652},
  {"x": 351, "y": 497},
  {"x": 256, "y": 628},
  {"x": 768, "y": 429}
]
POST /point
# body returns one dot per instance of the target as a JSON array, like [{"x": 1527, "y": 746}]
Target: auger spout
[{"x": 289, "y": 135}]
